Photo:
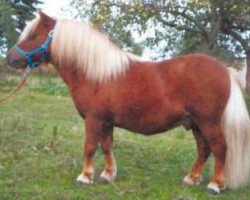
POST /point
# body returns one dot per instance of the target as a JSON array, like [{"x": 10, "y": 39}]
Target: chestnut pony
[{"x": 111, "y": 87}]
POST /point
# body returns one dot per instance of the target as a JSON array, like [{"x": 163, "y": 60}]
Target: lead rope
[{"x": 18, "y": 87}]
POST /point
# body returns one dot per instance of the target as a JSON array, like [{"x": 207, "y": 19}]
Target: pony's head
[{"x": 32, "y": 47}]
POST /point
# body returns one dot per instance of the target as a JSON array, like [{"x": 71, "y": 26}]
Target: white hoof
[
  {"x": 83, "y": 180},
  {"x": 108, "y": 177},
  {"x": 188, "y": 181},
  {"x": 213, "y": 189}
]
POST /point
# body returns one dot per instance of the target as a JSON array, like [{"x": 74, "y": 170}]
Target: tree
[
  {"x": 235, "y": 18},
  {"x": 216, "y": 27},
  {"x": 223, "y": 25},
  {"x": 13, "y": 16}
]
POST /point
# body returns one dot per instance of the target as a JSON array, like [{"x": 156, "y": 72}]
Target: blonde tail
[{"x": 236, "y": 128}]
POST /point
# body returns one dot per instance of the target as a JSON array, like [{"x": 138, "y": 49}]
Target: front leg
[
  {"x": 110, "y": 170},
  {"x": 93, "y": 129}
]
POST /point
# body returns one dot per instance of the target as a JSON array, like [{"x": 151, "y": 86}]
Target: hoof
[
  {"x": 83, "y": 180},
  {"x": 212, "y": 192},
  {"x": 213, "y": 189},
  {"x": 188, "y": 181},
  {"x": 106, "y": 177}
]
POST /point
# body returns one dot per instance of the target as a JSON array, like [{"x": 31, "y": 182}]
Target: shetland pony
[{"x": 111, "y": 87}]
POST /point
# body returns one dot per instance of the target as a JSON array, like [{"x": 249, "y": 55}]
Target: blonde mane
[{"x": 77, "y": 44}]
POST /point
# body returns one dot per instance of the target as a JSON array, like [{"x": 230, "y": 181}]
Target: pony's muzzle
[{"x": 14, "y": 60}]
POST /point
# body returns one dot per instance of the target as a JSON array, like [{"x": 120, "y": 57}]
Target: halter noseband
[{"x": 43, "y": 49}]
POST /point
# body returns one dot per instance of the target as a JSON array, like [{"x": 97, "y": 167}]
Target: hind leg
[
  {"x": 217, "y": 144},
  {"x": 194, "y": 177}
]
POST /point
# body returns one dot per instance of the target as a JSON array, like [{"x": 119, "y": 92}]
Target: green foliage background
[
  {"x": 177, "y": 27},
  {"x": 13, "y": 17}
]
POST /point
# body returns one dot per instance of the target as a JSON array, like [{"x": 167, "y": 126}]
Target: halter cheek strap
[{"x": 43, "y": 49}]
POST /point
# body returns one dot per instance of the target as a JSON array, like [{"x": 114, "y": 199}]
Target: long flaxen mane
[{"x": 77, "y": 44}]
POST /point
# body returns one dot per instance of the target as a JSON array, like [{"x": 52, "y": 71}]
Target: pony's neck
[{"x": 69, "y": 75}]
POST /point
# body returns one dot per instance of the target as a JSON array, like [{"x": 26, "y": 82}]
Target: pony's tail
[{"x": 236, "y": 129}]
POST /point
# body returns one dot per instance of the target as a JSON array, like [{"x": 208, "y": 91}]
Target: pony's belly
[
  {"x": 146, "y": 127},
  {"x": 145, "y": 130},
  {"x": 155, "y": 123}
]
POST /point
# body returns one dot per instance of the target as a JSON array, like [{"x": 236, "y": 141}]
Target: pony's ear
[{"x": 45, "y": 19}]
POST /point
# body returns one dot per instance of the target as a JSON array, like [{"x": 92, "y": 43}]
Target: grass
[{"x": 41, "y": 142}]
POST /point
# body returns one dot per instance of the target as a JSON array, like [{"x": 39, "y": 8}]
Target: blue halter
[{"x": 41, "y": 49}]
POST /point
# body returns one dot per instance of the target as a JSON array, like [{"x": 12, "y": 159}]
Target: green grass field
[{"x": 41, "y": 143}]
